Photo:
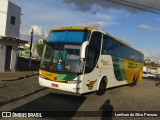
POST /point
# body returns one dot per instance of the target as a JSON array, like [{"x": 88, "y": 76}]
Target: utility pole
[{"x": 30, "y": 59}]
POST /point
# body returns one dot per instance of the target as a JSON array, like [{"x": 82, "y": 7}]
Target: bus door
[{"x": 92, "y": 71}]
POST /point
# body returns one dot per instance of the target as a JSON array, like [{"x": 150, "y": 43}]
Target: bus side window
[{"x": 107, "y": 45}]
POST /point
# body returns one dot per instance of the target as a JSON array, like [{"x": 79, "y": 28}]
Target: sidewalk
[{"x": 16, "y": 75}]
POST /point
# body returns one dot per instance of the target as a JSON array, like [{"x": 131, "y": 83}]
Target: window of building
[{"x": 13, "y": 20}]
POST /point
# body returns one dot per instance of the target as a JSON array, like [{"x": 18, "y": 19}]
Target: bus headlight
[
  {"x": 74, "y": 81},
  {"x": 42, "y": 76}
]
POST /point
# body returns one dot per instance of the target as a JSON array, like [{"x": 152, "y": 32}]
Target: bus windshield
[
  {"x": 68, "y": 36},
  {"x": 61, "y": 57}
]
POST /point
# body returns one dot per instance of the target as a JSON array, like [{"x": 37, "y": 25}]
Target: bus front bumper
[{"x": 59, "y": 86}]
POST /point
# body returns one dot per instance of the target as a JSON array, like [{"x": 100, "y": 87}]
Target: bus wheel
[
  {"x": 134, "y": 81},
  {"x": 102, "y": 87}
]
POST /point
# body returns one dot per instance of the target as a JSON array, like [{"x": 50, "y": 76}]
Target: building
[
  {"x": 9, "y": 34},
  {"x": 150, "y": 69},
  {"x": 158, "y": 71},
  {"x": 24, "y": 49}
]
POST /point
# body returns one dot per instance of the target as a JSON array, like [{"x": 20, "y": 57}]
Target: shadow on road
[
  {"x": 56, "y": 105},
  {"x": 21, "y": 97},
  {"x": 23, "y": 64},
  {"x": 107, "y": 109}
]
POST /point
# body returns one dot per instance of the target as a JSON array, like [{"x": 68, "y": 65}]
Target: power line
[
  {"x": 142, "y": 4},
  {"x": 135, "y": 7}
]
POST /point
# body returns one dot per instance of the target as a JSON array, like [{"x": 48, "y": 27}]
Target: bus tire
[
  {"x": 102, "y": 87},
  {"x": 134, "y": 81}
]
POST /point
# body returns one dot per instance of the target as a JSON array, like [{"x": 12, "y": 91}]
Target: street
[{"x": 27, "y": 95}]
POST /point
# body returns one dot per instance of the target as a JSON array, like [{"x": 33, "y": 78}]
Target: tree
[
  {"x": 26, "y": 52},
  {"x": 39, "y": 48}
]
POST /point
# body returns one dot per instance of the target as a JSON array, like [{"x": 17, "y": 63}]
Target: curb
[{"x": 18, "y": 78}]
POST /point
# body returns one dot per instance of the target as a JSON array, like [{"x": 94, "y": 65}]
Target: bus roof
[
  {"x": 124, "y": 43},
  {"x": 91, "y": 29},
  {"x": 74, "y": 28}
]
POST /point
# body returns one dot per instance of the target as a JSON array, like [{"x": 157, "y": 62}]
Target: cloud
[
  {"x": 97, "y": 25},
  {"x": 102, "y": 16},
  {"x": 91, "y": 6},
  {"x": 147, "y": 27},
  {"x": 37, "y": 31},
  {"x": 95, "y": 5},
  {"x": 100, "y": 25}
]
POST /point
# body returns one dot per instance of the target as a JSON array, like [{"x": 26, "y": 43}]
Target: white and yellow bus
[{"x": 83, "y": 59}]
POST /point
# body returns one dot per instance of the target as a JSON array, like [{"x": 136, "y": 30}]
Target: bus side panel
[
  {"x": 103, "y": 68},
  {"x": 133, "y": 69},
  {"x": 119, "y": 71},
  {"x": 110, "y": 68},
  {"x": 90, "y": 81}
]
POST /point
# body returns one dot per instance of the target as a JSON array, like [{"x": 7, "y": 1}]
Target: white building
[
  {"x": 9, "y": 34},
  {"x": 158, "y": 70}
]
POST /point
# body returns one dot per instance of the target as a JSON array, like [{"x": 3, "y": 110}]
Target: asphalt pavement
[
  {"x": 16, "y": 75},
  {"x": 27, "y": 95},
  {"x": 20, "y": 91}
]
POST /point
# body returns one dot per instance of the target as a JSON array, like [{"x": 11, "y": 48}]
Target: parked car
[
  {"x": 157, "y": 76},
  {"x": 148, "y": 75}
]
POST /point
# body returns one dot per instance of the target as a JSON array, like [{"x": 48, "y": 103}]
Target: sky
[{"x": 139, "y": 28}]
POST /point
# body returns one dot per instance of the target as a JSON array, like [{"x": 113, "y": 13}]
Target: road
[{"x": 27, "y": 95}]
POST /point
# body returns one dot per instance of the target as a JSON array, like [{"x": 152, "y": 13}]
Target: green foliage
[
  {"x": 48, "y": 52},
  {"x": 152, "y": 64},
  {"x": 26, "y": 51},
  {"x": 39, "y": 48}
]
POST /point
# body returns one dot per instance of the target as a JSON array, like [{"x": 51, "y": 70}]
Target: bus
[{"x": 84, "y": 59}]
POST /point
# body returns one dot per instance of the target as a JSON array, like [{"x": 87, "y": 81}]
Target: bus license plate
[{"x": 54, "y": 85}]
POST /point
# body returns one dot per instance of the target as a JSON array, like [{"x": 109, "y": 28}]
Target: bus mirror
[
  {"x": 83, "y": 49},
  {"x": 44, "y": 41},
  {"x": 83, "y": 59}
]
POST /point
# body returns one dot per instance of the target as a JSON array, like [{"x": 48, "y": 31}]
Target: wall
[
  {"x": 3, "y": 55},
  {"x": 3, "y": 16},
  {"x": 158, "y": 70},
  {"x": 144, "y": 68},
  {"x": 8, "y": 9},
  {"x": 14, "y": 45},
  {"x": 9, "y": 31},
  {"x": 13, "y": 30}
]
